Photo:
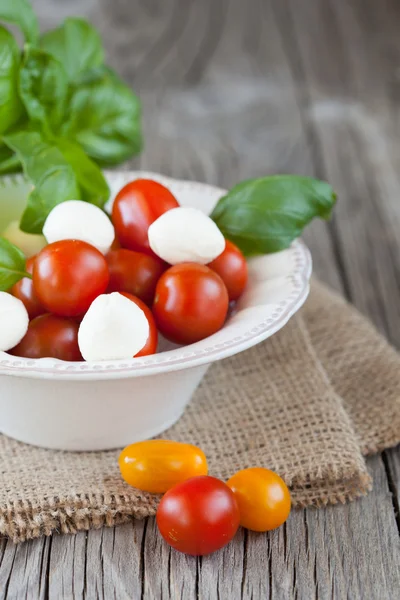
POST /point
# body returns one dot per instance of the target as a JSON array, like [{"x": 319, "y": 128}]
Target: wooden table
[{"x": 234, "y": 89}]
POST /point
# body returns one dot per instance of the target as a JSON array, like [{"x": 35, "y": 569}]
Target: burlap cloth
[{"x": 309, "y": 403}]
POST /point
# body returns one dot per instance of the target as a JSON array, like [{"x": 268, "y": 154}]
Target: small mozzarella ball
[
  {"x": 78, "y": 220},
  {"x": 14, "y": 321},
  {"x": 186, "y": 235},
  {"x": 114, "y": 328},
  {"x": 29, "y": 243}
]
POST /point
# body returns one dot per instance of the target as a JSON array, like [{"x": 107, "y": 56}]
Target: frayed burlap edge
[
  {"x": 74, "y": 514},
  {"x": 70, "y": 515}
]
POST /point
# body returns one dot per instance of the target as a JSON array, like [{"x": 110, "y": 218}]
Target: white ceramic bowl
[{"x": 93, "y": 406}]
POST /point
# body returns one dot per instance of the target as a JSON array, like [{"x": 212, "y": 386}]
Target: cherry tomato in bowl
[
  {"x": 50, "y": 336},
  {"x": 115, "y": 245},
  {"x": 263, "y": 498},
  {"x": 198, "y": 516},
  {"x": 152, "y": 341},
  {"x": 191, "y": 303},
  {"x": 156, "y": 466},
  {"x": 68, "y": 275},
  {"x": 25, "y": 291},
  {"x": 231, "y": 266},
  {"x": 135, "y": 208},
  {"x": 134, "y": 272}
]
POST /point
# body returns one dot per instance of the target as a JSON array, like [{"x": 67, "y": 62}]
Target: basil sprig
[
  {"x": 59, "y": 96},
  {"x": 265, "y": 215},
  {"x": 76, "y": 45},
  {"x": 20, "y": 13},
  {"x": 12, "y": 265},
  {"x": 53, "y": 177},
  {"x": 11, "y": 108}
]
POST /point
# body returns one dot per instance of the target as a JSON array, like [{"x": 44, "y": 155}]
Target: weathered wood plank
[
  {"x": 357, "y": 148},
  {"x": 51, "y": 12},
  {"x": 67, "y": 569},
  {"x": 222, "y": 575},
  {"x": 7, "y": 557},
  {"x": 393, "y": 457},
  {"x": 24, "y": 570},
  {"x": 166, "y": 573},
  {"x": 392, "y": 463},
  {"x": 98, "y": 564}
]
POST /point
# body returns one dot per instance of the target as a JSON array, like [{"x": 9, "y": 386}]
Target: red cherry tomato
[
  {"x": 152, "y": 341},
  {"x": 191, "y": 303},
  {"x": 50, "y": 336},
  {"x": 25, "y": 291},
  {"x": 135, "y": 273},
  {"x": 231, "y": 266},
  {"x": 68, "y": 276},
  {"x": 115, "y": 245},
  {"x": 135, "y": 208},
  {"x": 198, "y": 516}
]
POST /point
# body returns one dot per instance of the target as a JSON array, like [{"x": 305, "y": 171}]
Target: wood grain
[{"x": 235, "y": 89}]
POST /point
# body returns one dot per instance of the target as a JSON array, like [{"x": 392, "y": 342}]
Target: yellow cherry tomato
[
  {"x": 263, "y": 498},
  {"x": 157, "y": 465}
]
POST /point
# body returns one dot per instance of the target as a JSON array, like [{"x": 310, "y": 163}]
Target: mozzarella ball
[
  {"x": 78, "y": 220},
  {"x": 114, "y": 328},
  {"x": 29, "y": 243},
  {"x": 186, "y": 235},
  {"x": 14, "y": 321}
]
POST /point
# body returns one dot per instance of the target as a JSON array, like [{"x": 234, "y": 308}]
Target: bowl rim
[{"x": 183, "y": 357}]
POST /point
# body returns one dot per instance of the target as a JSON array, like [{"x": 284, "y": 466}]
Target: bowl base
[
  {"x": 94, "y": 415},
  {"x": 122, "y": 443}
]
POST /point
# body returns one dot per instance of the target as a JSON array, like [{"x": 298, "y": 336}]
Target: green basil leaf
[
  {"x": 76, "y": 44},
  {"x": 93, "y": 75},
  {"x": 12, "y": 265},
  {"x": 11, "y": 107},
  {"x": 53, "y": 177},
  {"x": 43, "y": 88},
  {"x": 94, "y": 188},
  {"x": 9, "y": 162},
  {"x": 105, "y": 120},
  {"x": 20, "y": 13},
  {"x": 265, "y": 215}
]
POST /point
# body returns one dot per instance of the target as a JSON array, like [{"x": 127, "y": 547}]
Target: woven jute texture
[{"x": 307, "y": 403}]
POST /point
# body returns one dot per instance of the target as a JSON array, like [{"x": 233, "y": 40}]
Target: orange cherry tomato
[
  {"x": 152, "y": 341},
  {"x": 158, "y": 465},
  {"x": 231, "y": 266},
  {"x": 135, "y": 208},
  {"x": 25, "y": 291},
  {"x": 263, "y": 498}
]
